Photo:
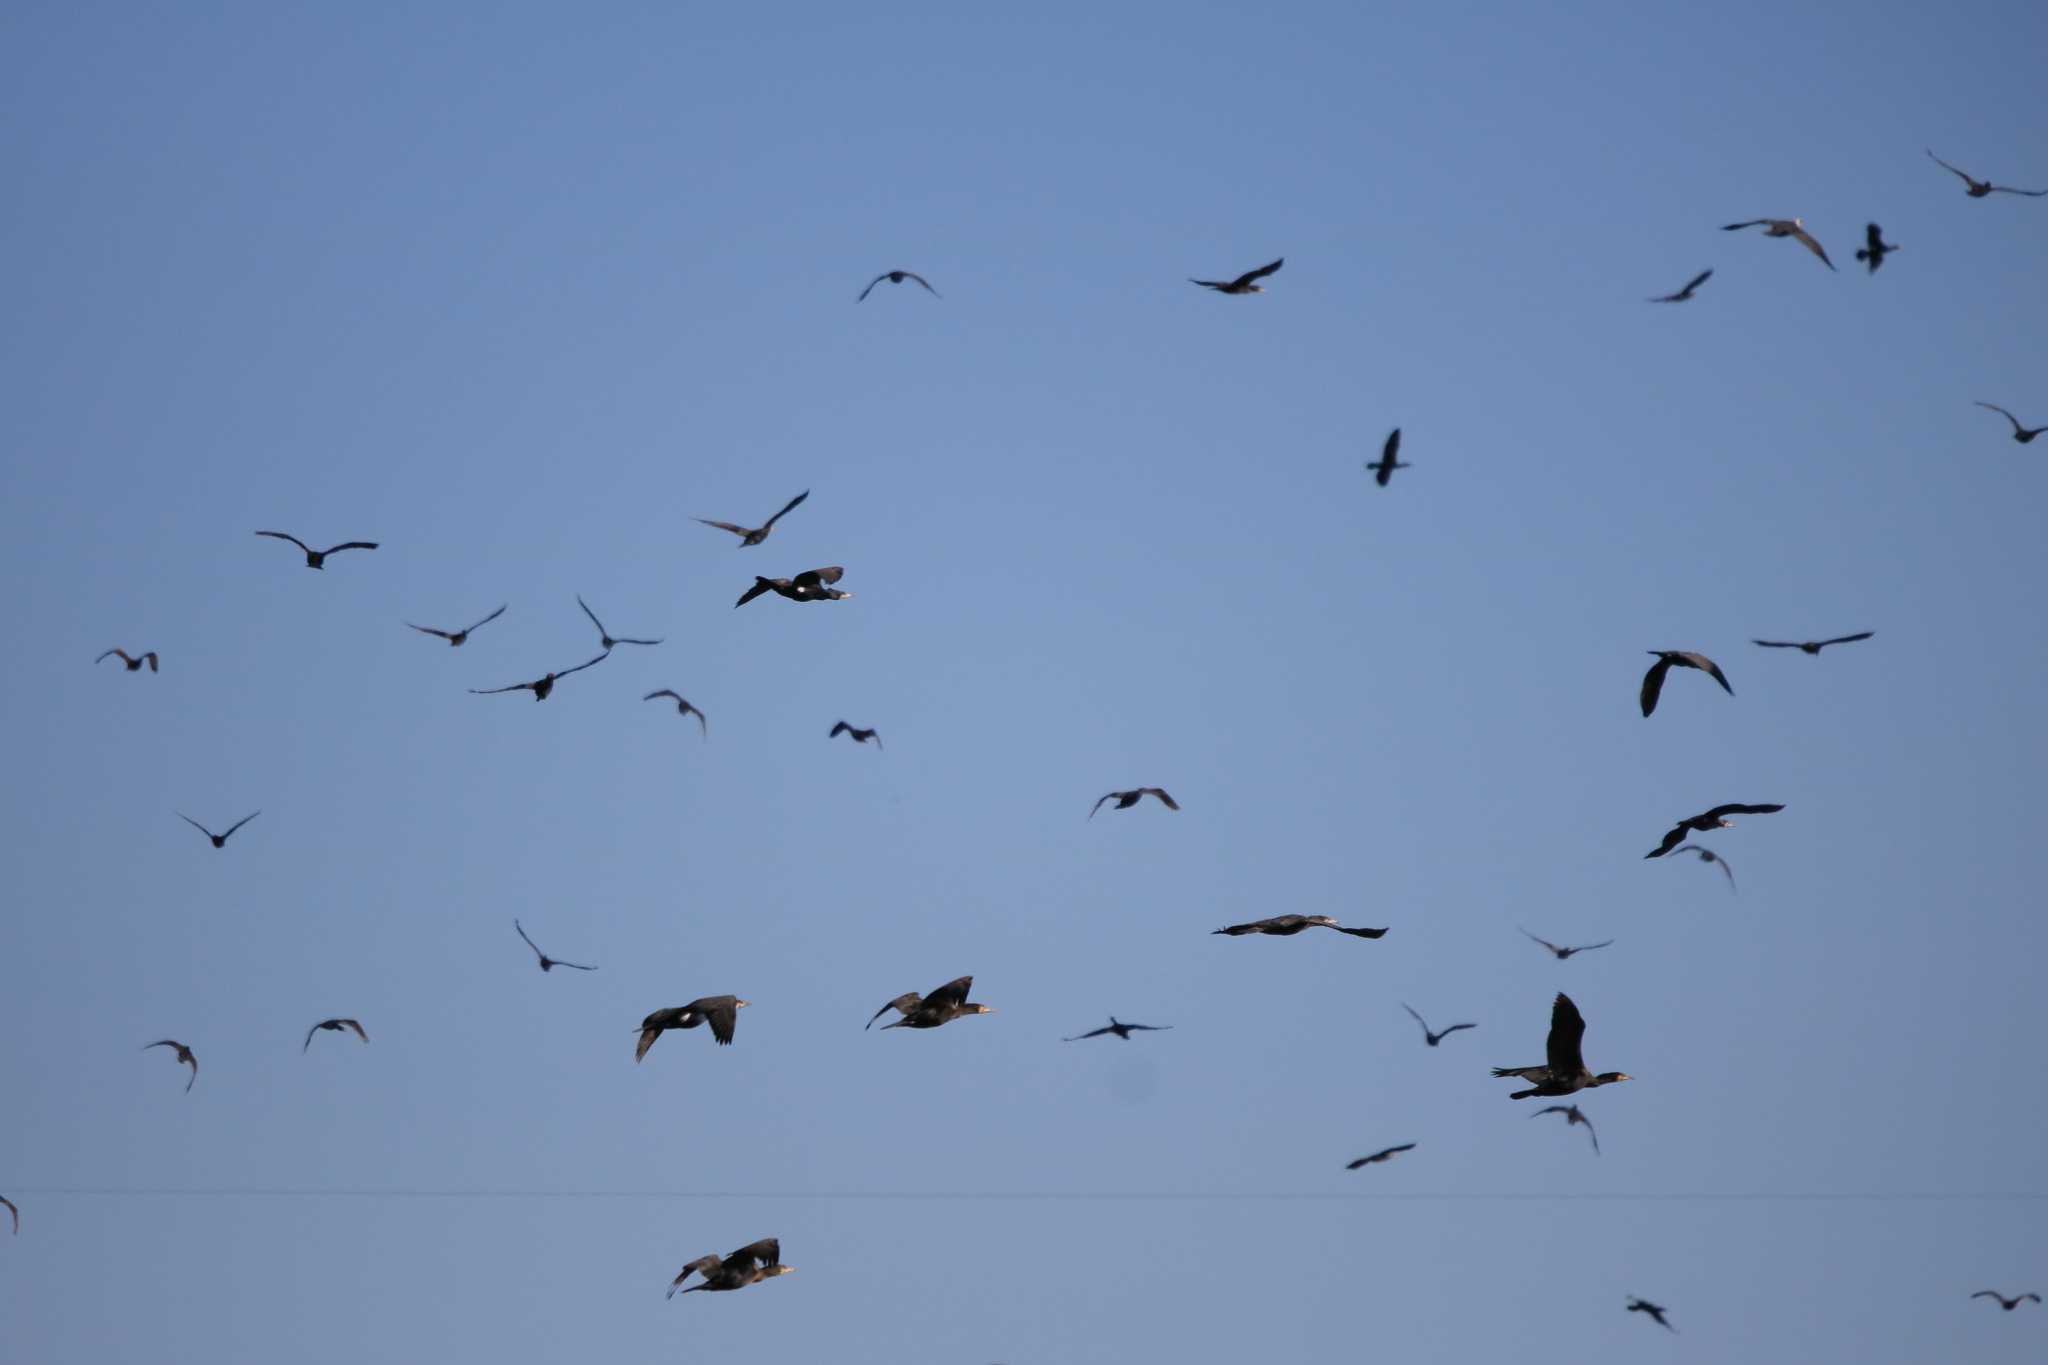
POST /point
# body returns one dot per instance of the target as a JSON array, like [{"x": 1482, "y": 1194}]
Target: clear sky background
[{"x": 519, "y": 290}]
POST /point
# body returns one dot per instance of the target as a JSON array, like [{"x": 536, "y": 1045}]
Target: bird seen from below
[
  {"x": 942, "y": 1006},
  {"x": 1651, "y": 1310},
  {"x": 457, "y": 638},
  {"x": 683, "y": 708},
  {"x": 543, "y": 686},
  {"x": 2003, "y": 1302},
  {"x": 219, "y": 840},
  {"x": 1384, "y": 1154},
  {"x": 1565, "y": 954},
  {"x": 1120, "y": 1029},
  {"x": 1785, "y": 227},
  {"x": 1978, "y": 189},
  {"x": 183, "y": 1054},
  {"x": 1125, "y": 800},
  {"x": 1690, "y": 285},
  {"x": 1564, "y": 1071},
  {"x": 1667, "y": 659},
  {"x": 1814, "y": 646},
  {"x": 1383, "y": 469},
  {"x": 859, "y": 736},
  {"x": 605, "y": 638},
  {"x": 135, "y": 664},
  {"x": 1713, "y": 819},
  {"x": 1433, "y": 1038},
  {"x": 755, "y": 535},
  {"x": 548, "y": 964},
  {"x": 1247, "y": 283},
  {"x": 898, "y": 277},
  {"x": 317, "y": 559},
  {"x": 1284, "y": 926},
  {"x": 720, "y": 1011},
  {"x": 1707, "y": 855},
  {"x": 1573, "y": 1118},
  {"x": 808, "y": 586},
  {"x": 2019, "y": 433},
  {"x": 335, "y": 1026},
  {"x": 1874, "y": 248},
  {"x": 751, "y": 1264}
]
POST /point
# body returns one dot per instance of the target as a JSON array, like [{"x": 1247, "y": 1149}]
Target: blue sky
[{"x": 519, "y": 293}]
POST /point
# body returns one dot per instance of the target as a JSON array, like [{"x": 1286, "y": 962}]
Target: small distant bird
[
  {"x": 1815, "y": 646},
  {"x": 219, "y": 840},
  {"x": 542, "y": 686},
  {"x": 1564, "y": 954},
  {"x": 1428, "y": 1037},
  {"x": 1245, "y": 283},
  {"x": 317, "y": 559},
  {"x": 334, "y": 1026},
  {"x": 1383, "y": 469},
  {"x": 1977, "y": 189},
  {"x": 808, "y": 586},
  {"x": 1121, "y": 1030},
  {"x": 456, "y": 638},
  {"x": 722, "y": 1012},
  {"x": 135, "y": 664},
  {"x": 2019, "y": 433},
  {"x": 859, "y": 736},
  {"x": 1572, "y": 1119},
  {"x": 942, "y": 1006},
  {"x": 604, "y": 636},
  {"x": 1785, "y": 227},
  {"x": 1285, "y": 926},
  {"x": 1707, "y": 855},
  {"x": 1656, "y": 1314},
  {"x": 751, "y": 1264},
  {"x": 2003, "y": 1302},
  {"x": 184, "y": 1055},
  {"x": 1713, "y": 819},
  {"x": 755, "y": 535},
  {"x": 898, "y": 277},
  {"x": 1564, "y": 1071},
  {"x": 13, "y": 1210},
  {"x": 548, "y": 964},
  {"x": 1384, "y": 1154},
  {"x": 1874, "y": 248},
  {"x": 683, "y": 708},
  {"x": 1125, "y": 800},
  {"x": 1682, "y": 295},
  {"x": 1653, "y": 681}
]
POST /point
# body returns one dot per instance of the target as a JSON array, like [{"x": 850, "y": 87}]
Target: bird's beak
[{"x": 740, "y": 1004}]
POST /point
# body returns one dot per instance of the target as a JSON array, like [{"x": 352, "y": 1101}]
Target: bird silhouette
[
  {"x": 942, "y": 1006},
  {"x": 317, "y": 559},
  {"x": 1690, "y": 285},
  {"x": 1429, "y": 1037},
  {"x": 1653, "y": 681},
  {"x": 1976, "y": 188},
  {"x": 1564, "y": 1069},
  {"x": 2003, "y": 1302},
  {"x": 1121, "y": 1030},
  {"x": 2019, "y": 433},
  {"x": 1384, "y": 1154},
  {"x": 1707, "y": 855},
  {"x": 1383, "y": 469},
  {"x": 1125, "y": 800},
  {"x": 1564, "y": 954},
  {"x": 605, "y": 636},
  {"x": 135, "y": 664},
  {"x": 720, "y": 1011},
  {"x": 859, "y": 736},
  {"x": 683, "y": 708},
  {"x": 1713, "y": 819},
  {"x": 1655, "y": 1313},
  {"x": 808, "y": 586},
  {"x": 756, "y": 534},
  {"x": 1286, "y": 926},
  {"x": 334, "y": 1026},
  {"x": 897, "y": 277},
  {"x": 1785, "y": 227},
  {"x": 1572, "y": 1119},
  {"x": 183, "y": 1054},
  {"x": 1814, "y": 646},
  {"x": 751, "y": 1264},
  {"x": 456, "y": 638},
  {"x": 219, "y": 840},
  {"x": 1246, "y": 283},
  {"x": 1874, "y": 248},
  {"x": 542, "y": 686},
  {"x": 547, "y": 964}
]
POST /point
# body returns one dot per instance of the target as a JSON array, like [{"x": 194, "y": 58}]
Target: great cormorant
[
  {"x": 456, "y": 638},
  {"x": 219, "y": 840},
  {"x": 2003, "y": 1302},
  {"x": 860, "y": 736},
  {"x": 721, "y": 1011},
  {"x": 334, "y": 1026},
  {"x": 135, "y": 664},
  {"x": 1564, "y": 954},
  {"x": 1707, "y": 820},
  {"x": 1814, "y": 646},
  {"x": 1383, "y": 470},
  {"x": 547, "y": 963},
  {"x": 1653, "y": 1311},
  {"x": 808, "y": 586},
  {"x": 183, "y": 1053},
  {"x": 1875, "y": 248},
  {"x": 1785, "y": 227},
  {"x": 898, "y": 277},
  {"x": 605, "y": 638},
  {"x": 1121, "y": 1030},
  {"x": 1976, "y": 188},
  {"x": 1245, "y": 283},
  {"x": 756, "y": 534},
  {"x": 1384, "y": 1154},
  {"x": 751, "y": 1264},
  {"x": 1667, "y": 659},
  {"x": 1564, "y": 1072},
  {"x": 1125, "y": 800},
  {"x": 541, "y": 687},
  {"x": 683, "y": 708},
  {"x": 942, "y": 1006},
  {"x": 1707, "y": 855},
  {"x": 1283, "y": 926},
  {"x": 1427, "y": 1036},
  {"x": 317, "y": 559}
]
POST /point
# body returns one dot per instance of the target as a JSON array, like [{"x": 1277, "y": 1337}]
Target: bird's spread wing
[
  {"x": 727, "y": 526},
  {"x": 954, "y": 992},
  {"x": 488, "y": 619},
  {"x": 309, "y": 1037},
  {"x": 529, "y": 942},
  {"x": 1092, "y": 809},
  {"x": 648, "y": 1033},
  {"x": 1544, "y": 941},
  {"x": 103, "y": 657},
  {"x": 356, "y": 1027},
  {"x": 1360, "y": 933},
  {"x": 768, "y": 1251},
  {"x": 902, "y": 1004},
  {"x": 1965, "y": 176},
  {"x": 1776, "y": 644},
  {"x": 429, "y": 630},
  {"x": 1813, "y": 246},
  {"x": 704, "y": 1264},
  {"x": 13, "y": 1210},
  {"x": 1591, "y": 946},
  {"x": 585, "y": 664},
  {"x": 1567, "y": 1028},
  {"x": 1995, "y": 408},
  {"x": 1235, "y": 929},
  {"x": 1454, "y": 1028},
  {"x": 241, "y": 822},
  {"x": 1737, "y": 227},
  {"x": 1708, "y": 667},
  {"x": 279, "y": 535},
  {"x": 350, "y": 545},
  {"x": 813, "y": 578},
  {"x": 1696, "y": 281},
  {"x": 1164, "y": 799},
  {"x": 1091, "y": 1033},
  {"x": 491, "y": 691},
  {"x": 722, "y": 1016},
  {"x": 1672, "y": 839},
  {"x": 1734, "y": 809},
  {"x": 788, "y": 506},
  {"x": 1242, "y": 280},
  {"x": 1391, "y": 448},
  {"x": 592, "y": 615},
  {"x": 761, "y": 585},
  {"x": 1416, "y": 1017},
  {"x": 2007, "y": 189},
  {"x": 664, "y": 692},
  {"x": 195, "y": 824},
  {"x": 1653, "y": 683},
  {"x": 1850, "y": 639},
  {"x": 913, "y": 275},
  {"x": 871, "y": 286}
]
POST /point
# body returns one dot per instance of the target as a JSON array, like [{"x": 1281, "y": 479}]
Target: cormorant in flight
[
  {"x": 1653, "y": 681},
  {"x": 1682, "y": 295},
  {"x": 134, "y": 664},
  {"x": 1246, "y": 283},
  {"x": 317, "y": 559},
  {"x": 605, "y": 639},
  {"x": 2003, "y": 1302},
  {"x": 1427, "y": 1036},
  {"x": 1384, "y": 1154},
  {"x": 1564, "y": 1071},
  {"x": 1121, "y": 1030},
  {"x": 184, "y": 1055},
  {"x": 897, "y": 277},
  {"x": 859, "y": 736},
  {"x": 1564, "y": 954},
  {"x": 1814, "y": 646},
  {"x": 755, "y": 535},
  {"x": 1976, "y": 188},
  {"x": 1655, "y": 1313},
  {"x": 1383, "y": 470},
  {"x": 1573, "y": 1118},
  {"x": 456, "y": 638},
  {"x": 722, "y": 1012},
  {"x": 542, "y": 686},
  {"x": 548, "y": 964},
  {"x": 1874, "y": 248},
  {"x": 683, "y": 708},
  {"x": 1125, "y": 800},
  {"x": 2019, "y": 433},
  {"x": 942, "y": 1006},
  {"x": 751, "y": 1264},
  {"x": 334, "y": 1026},
  {"x": 1785, "y": 227},
  {"x": 219, "y": 840},
  {"x": 1713, "y": 819},
  {"x": 1707, "y": 855},
  {"x": 1284, "y": 926},
  {"x": 808, "y": 586}
]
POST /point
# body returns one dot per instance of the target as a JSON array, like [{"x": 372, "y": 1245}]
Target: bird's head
[
  {"x": 769, "y": 1272},
  {"x": 981, "y": 1009},
  {"x": 740, "y": 1004},
  {"x": 1610, "y": 1077}
]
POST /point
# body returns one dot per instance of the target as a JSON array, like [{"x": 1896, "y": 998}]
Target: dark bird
[
  {"x": 1125, "y": 800},
  {"x": 1565, "y": 1070},
  {"x": 1653, "y": 681},
  {"x": 721, "y": 1011},
  {"x": 1564, "y": 954},
  {"x": 543, "y": 686},
  {"x": 219, "y": 840},
  {"x": 1284, "y": 926},
  {"x": 334, "y": 1026},
  {"x": 755, "y": 535},
  {"x": 1682, "y": 295},
  {"x": 1573, "y": 1118},
  {"x": 808, "y": 586},
  {"x": 317, "y": 559},
  {"x": 859, "y": 736},
  {"x": 1815, "y": 646},
  {"x": 456, "y": 638},
  {"x": 1121, "y": 1030},
  {"x": 135, "y": 664},
  {"x": 683, "y": 708},
  {"x": 1713, "y": 819},
  {"x": 1874, "y": 248},
  {"x": 1427, "y": 1036},
  {"x": 897, "y": 277},
  {"x": 604, "y": 636},
  {"x": 548, "y": 964},
  {"x": 1656, "y": 1314},
  {"x": 1384, "y": 1154},
  {"x": 2019, "y": 433},
  {"x": 942, "y": 1006},
  {"x": 1785, "y": 227},
  {"x": 2003, "y": 1302},
  {"x": 1246, "y": 283},
  {"x": 749, "y": 1265},
  {"x": 184, "y": 1055},
  {"x": 1977, "y": 189},
  {"x": 13, "y": 1210},
  {"x": 1383, "y": 469},
  {"x": 1707, "y": 855}
]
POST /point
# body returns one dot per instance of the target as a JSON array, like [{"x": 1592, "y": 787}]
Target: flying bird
[
  {"x": 1707, "y": 855},
  {"x": 683, "y": 708},
  {"x": 1125, "y": 800},
  {"x": 755, "y": 535},
  {"x": 1573, "y": 1118},
  {"x": 1564, "y": 954},
  {"x": 317, "y": 559},
  {"x": 334, "y": 1026},
  {"x": 542, "y": 686},
  {"x": 13, "y": 1210},
  {"x": 604, "y": 636},
  {"x": 1713, "y": 819},
  {"x": 1285, "y": 926},
  {"x": 898, "y": 277},
  {"x": 1564, "y": 1071},
  {"x": 184, "y": 1055},
  {"x": 751, "y": 1264},
  {"x": 1383, "y": 469},
  {"x": 1815, "y": 646},
  {"x": 1785, "y": 227},
  {"x": 720, "y": 1011},
  {"x": 1427, "y": 1036},
  {"x": 219, "y": 840},
  {"x": 808, "y": 586},
  {"x": 1384, "y": 1154},
  {"x": 1977, "y": 189},
  {"x": 2003, "y": 1302},
  {"x": 456, "y": 638},
  {"x": 1246, "y": 283},
  {"x": 1682, "y": 295},
  {"x": 859, "y": 736},
  {"x": 2019, "y": 433},
  {"x": 1121, "y": 1030},
  {"x": 1874, "y": 248},
  {"x": 547, "y": 964},
  {"x": 135, "y": 664},
  {"x": 1653, "y": 681},
  {"x": 1656, "y": 1314},
  {"x": 942, "y": 1006}
]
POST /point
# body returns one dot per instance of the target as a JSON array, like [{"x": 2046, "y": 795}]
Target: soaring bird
[
  {"x": 334, "y": 1026},
  {"x": 1682, "y": 295},
  {"x": 604, "y": 636},
  {"x": 456, "y": 638},
  {"x": 1383, "y": 469},
  {"x": 542, "y": 686},
  {"x": 898, "y": 277},
  {"x": 1573, "y": 1118},
  {"x": 1653, "y": 681},
  {"x": 1245, "y": 283},
  {"x": 942, "y": 1006},
  {"x": 1874, "y": 248},
  {"x": 755, "y": 535},
  {"x": 859, "y": 736},
  {"x": 1977, "y": 189},
  {"x": 13, "y": 1210},
  {"x": 1713, "y": 819},
  {"x": 184, "y": 1055},
  {"x": 1125, "y": 800},
  {"x": 720, "y": 1011},
  {"x": 1284, "y": 926},
  {"x": 2019, "y": 433},
  {"x": 751, "y": 1264},
  {"x": 1121, "y": 1030},
  {"x": 219, "y": 840},
  {"x": 1564, "y": 1072},
  {"x": 2003, "y": 1302},
  {"x": 808, "y": 586},
  {"x": 1707, "y": 855},
  {"x": 1427, "y": 1036},
  {"x": 548, "y": 964},
  {"x": 317, "y": 559},
  {"x": 683, "y": 708},
  {"x": 135, "y": 664},
  {"x": 1784, "y": 227},
  {"x": 1564, "y": 954},
  {"x": 1655, "y": 1313},
  {"x": 1815, "y": 646},
  {"x": 1384, "y": 1154}
]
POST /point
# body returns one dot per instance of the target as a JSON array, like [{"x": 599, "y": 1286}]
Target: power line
[{"x": 1063, "y": 1196}]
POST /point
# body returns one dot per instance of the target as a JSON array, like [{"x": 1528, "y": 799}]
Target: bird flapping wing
[
  {"x": 792, "y": 503},
  {"x": 954, "y": 992},
  {"x": 648, "y": 1033},
  {"x": 585, "y": 664},
  {"x": 429, "y": 630},
  {"x": 1360, "y": 933},
  {"x": 1806, "y": 238},
  {"x": 279, "y": 535},
  {"x": 194, "y": 823},
  {"x": 1091, "y": 1033},
  {"x": 703, "y": 1265},
  {"x": 761, "y": 585},
  {"x": 355, "y": 1027},
  {"x": 721, "y": 1012},
  {"x": 902, "y": 1004},
  {"x": 1704, "y": 665},
  {"x": 1734, "y": 808},
  {"x": 1160, "y": 792},
  {"x": 1653, "y": 683},
  {"x": 241, "y": 822},
  {"x": 487, "y": 620},
  {"x": 1963, "y": 175},
  {"x": 728, "y": 526},
  {"x": 1672, "y": 839},
  {"x": 664, "y": 692},
  {"x": 1562, "y": 1047},
  {"x": 767, "y": 1251},
  {"x": 1242, "y": 280},
  {"x": 814, "y": 578},
  {"x": 350, "y": 545}
]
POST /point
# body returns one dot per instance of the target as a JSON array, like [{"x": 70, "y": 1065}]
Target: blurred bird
[
  {"x": 751, "y": 1264},
  {"x": 13, "y": 1210},
  {"x": 808, "y": 586},
  {"x": 1428, "y": 1037},
  {"x": 1284, "y": 926},
  {"x": 1977, "y": 189},
  {"x": 1874, "y": 248},
  {"x": 1125, "y": 800},
  {"x": 1564, "y": 1071},
  {"x": 542, "y": 687},
  {"x": 1123, "y": 1031},
  {"x": 1815, "y": 646},
  {"x": 1384, "y": 1154},
  {"x": 456, "y": 638},
  {"x": 184, "y": 1056},
  {"x": 1656, "y": 1314},
  {"x": 897, "y": 277},
  {"x": 1682, "y": 295},
  {"x": 1564, "y": 954},
  {"x": 219, "y": 840},
  {"x": 317, "y": 559},
  {"x": 604, "y": 636},
  {"x": 1383, "y": 470},
  {"x": 1712, "y": 819},
  {"x": 942, "y": 1006},
  {"x": 683, "y": 708},
  {"x": 2019, "y": 433},
  {"x": 720, "y": 1011},
  {"x": 1653, "y": 681},
  {"x": 1785, "y": 227},
  {"x": 1707, "y": 855},
  {"x": 859, "y": 736},
  {"x": 2003, "y": 1302},
  {"x": 135, "y": 664},
  {"x": 334, "y": 1026},
  {"x": 755, "y": 535},
  {"x": 1245, "y": 283},
  {"x": 1572, "y": 1118},
  {"x": 547, "y": 964}
]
